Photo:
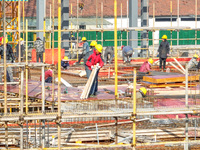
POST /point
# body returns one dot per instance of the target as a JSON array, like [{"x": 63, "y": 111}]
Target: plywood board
[{"x": 169, "y": 78}]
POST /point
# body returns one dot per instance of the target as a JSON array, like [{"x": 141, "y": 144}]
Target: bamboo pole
[
  {"x": 102, "y": 23},
  {"x": 171, "y": 24},
  {"x": 44, "y": 35},
  {"x": 195, "y": 23},
  {"x": 59, "y": 74},
  {"x": 19, "y": 32},
  {"x": 127, "y": 20},
  {"x": 5, "y": 73},
  {"x": 53, "y": 33},
  {"x": 153, "y": 26},
  {"x": 23, "y": 19},
  {"x": 50, "y": 29},
  {"x": 26, "y": 66},
  {"x": 21, "y": 94},
  {"x": 134, "y": 110},
  {"x": 43, "y": 107},
  {"x": 178, "y": 21},
  {"x": 115, "y": 44},
  {"x": 96, "y": 13}
]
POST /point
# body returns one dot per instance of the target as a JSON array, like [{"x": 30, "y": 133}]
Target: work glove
[
  {"x": 98, "y": 67},
  {"x": 92, "y": 67}
]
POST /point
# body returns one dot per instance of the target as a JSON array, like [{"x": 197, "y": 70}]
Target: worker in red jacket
[
  {"x": 48, "y": 76},
  {"x": 94, "y": 59},
  {"x": 146, "y": 67}
]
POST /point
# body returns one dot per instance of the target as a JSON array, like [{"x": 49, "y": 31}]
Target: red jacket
[
  {"x": 93, "y": 59},
  {"x": 146, "y": 67},
  {"x": 47, "y": 74}
]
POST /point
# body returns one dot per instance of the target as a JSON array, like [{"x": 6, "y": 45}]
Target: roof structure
[{"x": 162, "y": 8}]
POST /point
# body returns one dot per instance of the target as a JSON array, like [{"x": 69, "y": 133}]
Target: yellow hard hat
[
  {"x": 150, "y": 60},
  {"x": 21, "y": 39},
  {"x": 84, "y": 39},
  {"x": 6, "y": 40},
  {"x": 99, "y": 48},
  {"x": 164, "y": 37},
  {"x": 196, "y": 56},
  {"x": 72, "y": 35},
  {"x": 93, "y": 43},
  {"x": 66, "y": 58},
  {"x": 143, "y": 90}
]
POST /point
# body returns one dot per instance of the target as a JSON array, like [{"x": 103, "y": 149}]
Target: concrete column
[
  {"x": 144, "y": 23},
  {"x": 65, "y": 24},
  {"x": 133, "y": 22},
  {"x": 40, "y": 12}
]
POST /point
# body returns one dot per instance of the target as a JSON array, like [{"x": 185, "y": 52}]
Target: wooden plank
[
  {"x": 169, "y": 78},
  {"x": 153, "y": 85}
]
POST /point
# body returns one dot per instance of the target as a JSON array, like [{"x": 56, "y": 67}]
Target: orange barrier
[{"x": 48, "y": 55}]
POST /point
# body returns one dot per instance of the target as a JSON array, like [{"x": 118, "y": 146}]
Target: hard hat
[
  {"x": 196, "y": 56},
  {"x": 122, "y": 46},
  {"x": 143, "y": 90},
  {"x": 6, "y": 40},
  {"x": 84, "y": 39},
  {"x": 164, "y": 37},
  {"x": 72, "y": 35},
  {"x": 150, "y": 60},
  {"x": 21, "y": 39},
  {"x": 93, "y": 43},
  {"x": 66, "y": 58},
  {"x": 99, "y": 48}
]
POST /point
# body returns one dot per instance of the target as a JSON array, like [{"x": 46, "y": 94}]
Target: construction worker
[
  {"x": 85, "y": 49},
  {"x": 39, "y": 46},
  {"x": 22, "y": 48},
  {"x": 146, "y": 67},
  {"x": 193, "y": 62},
  {"x": 47, "y": 76},
  {"x": 109, "y": 54},
  {"x": 94, "y": 59},
  {"x": 73, "y": 42},
  {"x": 139, "y": 94},
  {"x": 9, "y": 59},
  {"x": 93, "y": 44},
  {"x": 127, "y": 53},
  {"x": 65, "y": 63},
  {"x": 163, "y": 52}
]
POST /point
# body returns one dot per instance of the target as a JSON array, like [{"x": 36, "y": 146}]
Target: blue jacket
[
  {"x": 86, "y": 48},
  {"x": 64, "y": 64}
]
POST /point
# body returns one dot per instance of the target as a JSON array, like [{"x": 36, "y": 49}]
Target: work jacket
[
  {"x": 48, "y": 73},
  {"x": 146, "y": 67},
  {"x": 93, "y": 59},
  {"x": 163, "y": 49},
  {"x": 9, "y": 52}
]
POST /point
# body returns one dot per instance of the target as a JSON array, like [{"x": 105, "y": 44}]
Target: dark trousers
[
  {"x": 80, "y": 57},
  {"x": 162, "y": 62},
  {"x": 88, "y": 71},
  {"x": 111, "y": 53},
  {"x": 48, "y": 80},
  {"x": 39, "y": 55}
]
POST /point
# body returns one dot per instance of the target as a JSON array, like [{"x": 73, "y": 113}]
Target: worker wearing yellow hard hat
[
  {"x": 163, "y": 52},
  {"x": 146, "y": 66},
  {"x": 9, "y": 59},
  {"x": 84, "y": 50},
  {"x": 93, "y": 44},
  {"x": 193, "y": 63},
  {"x": 142, "y": 92},
  {"x": 65, "y": 63},
  {"x": 94, "y": 61}
]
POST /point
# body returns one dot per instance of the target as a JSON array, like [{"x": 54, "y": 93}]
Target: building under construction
[{"x": 61, "y": 114}]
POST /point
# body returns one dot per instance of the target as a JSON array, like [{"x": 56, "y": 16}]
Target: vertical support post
[
  {"x": 153, "y": 27},
  {"x": 133, "y": 22},
  {"x": 96, "y": 13},
  {"x": 195, "y": 22},
  {"x": 26, "y": 66},
  {"x": 178, "y": 21},
  {"x": 144, "y": 23},
  {"x": 21, "y": 94},
  {"x": 102, "y": 23},
  {"x": 44, "y": 36},
  {"x": 59, "y": 74},
  {"x": 53, "y": 34},
  {"x": 116, "y": 130},
  {"x": 19, "y": 31},
  {"x": 77, "y": 19},
  {"x": 134, "y": 110},
  {"x": 27, "y": 145},
  {"x": 35, "y": 134},
  {"x": 115, "y": 44},
  {"x": 127, "y": 4},
  {"x": 171, "y": 25},
  {"x": 43, "y": 107},
  {"x": 23, "y": 19},
  {"x": 186, "y": 146},
  {"x": 5, "y": 73},
  {"x": 65, "y": 25},
  {"x": 186, "y": 86}
]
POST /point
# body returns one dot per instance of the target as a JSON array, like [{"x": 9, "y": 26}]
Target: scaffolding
[{"x": 31, "y": 124}]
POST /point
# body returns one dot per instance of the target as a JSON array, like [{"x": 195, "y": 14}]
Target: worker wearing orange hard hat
[{"x": 163, "y": 51}]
